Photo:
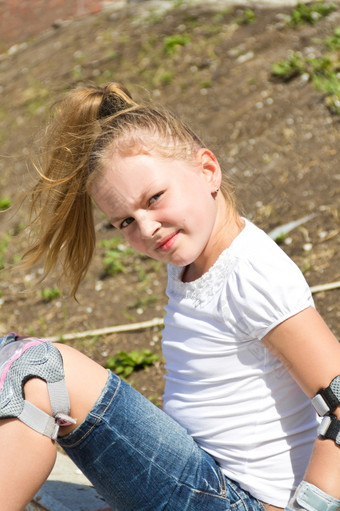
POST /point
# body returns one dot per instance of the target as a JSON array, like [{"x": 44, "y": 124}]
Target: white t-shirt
[{"x": 232, "y": 395}]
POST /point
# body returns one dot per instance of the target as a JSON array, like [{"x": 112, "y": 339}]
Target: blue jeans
[{"x": 139, "y": 459}]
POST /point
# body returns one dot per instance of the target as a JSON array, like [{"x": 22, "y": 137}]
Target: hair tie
[{"x": 112, "y": 101}]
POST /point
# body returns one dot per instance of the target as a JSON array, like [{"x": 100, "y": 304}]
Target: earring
[{"x": 217, "y": 189}]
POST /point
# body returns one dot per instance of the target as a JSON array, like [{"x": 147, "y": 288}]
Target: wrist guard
[{"x": 309, "y": 497}]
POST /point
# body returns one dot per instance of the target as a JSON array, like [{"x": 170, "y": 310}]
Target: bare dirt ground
[{"x": 278, "y": 140}]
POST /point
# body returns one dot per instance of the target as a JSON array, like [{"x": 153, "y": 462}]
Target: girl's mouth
[{"x": 167, "y": 243}]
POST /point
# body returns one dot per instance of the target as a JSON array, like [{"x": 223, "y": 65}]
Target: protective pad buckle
[
  {"x": 330, "y": 428},
  {"x": 326, "y": 400}
]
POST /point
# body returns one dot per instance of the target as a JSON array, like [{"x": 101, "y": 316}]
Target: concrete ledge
[{"x": 67, "y": 489}]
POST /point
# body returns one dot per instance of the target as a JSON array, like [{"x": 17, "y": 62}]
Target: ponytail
[{"x": 61, "y": 216}]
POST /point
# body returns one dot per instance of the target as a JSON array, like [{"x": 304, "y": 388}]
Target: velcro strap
[
  {"x": 39, "y": 420},
  {"x": 327, "y": 400},
  {"x": 311, "y": 498},
  {"x": 330, "y": 428},
  {"x": 59, "y": 397}
]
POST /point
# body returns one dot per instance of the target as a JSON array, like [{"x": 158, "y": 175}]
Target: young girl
[{"x": 245, "y": 349}]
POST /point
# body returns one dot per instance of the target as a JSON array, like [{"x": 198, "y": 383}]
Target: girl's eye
[
  {"x": 126, "y": 222},
  {"x": 154, "y": 198}
]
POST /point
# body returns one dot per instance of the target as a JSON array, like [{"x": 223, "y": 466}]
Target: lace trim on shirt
[{"x": 202, "y": 290}]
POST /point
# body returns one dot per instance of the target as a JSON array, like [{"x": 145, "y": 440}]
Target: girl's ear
[{"x": 209, "y": 167}]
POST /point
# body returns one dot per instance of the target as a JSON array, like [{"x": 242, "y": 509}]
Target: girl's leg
[
  {"x": 27, "y": 457},
  {"x": 136, "y": 456},
  {"x": 139, "y": 459}
]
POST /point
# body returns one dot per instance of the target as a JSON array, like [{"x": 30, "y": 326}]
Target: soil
[{"x": 277, "y": 140}]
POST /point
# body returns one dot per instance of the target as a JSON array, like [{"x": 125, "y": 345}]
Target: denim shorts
[{"x": 139, "y": 459}]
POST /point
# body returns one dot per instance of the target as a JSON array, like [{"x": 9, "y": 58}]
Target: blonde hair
[{"x": 89, "y": 125}]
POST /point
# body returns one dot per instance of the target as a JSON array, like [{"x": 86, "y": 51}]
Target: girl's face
[{"x": 166, "y": 209}]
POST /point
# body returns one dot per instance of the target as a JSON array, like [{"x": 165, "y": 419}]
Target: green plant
[
  {"x": 4, "y": 241},
  {"x": 50, "y": 293},
  {"x": 333, "y": 104},
  {"x": 321, "y": 71},
  {"x": 290, "y": 68},
  {"x": 247, "y": 16},
  {"x": 155, "y": 400},
  {"x": 113, "y": 262},
  {"x": 206, "y": 84},
  {"x": 115, "y": 256},
  {"x": 327, "y": 83},
  {"x": 166, "y": 77},
  {"x": 144, "y": 301},
  {"x": 333, "y": 41},
  {"x": 125, "y": 363},
  {"x": 35, "y": 97},
  {"x": 77, "y": 72},
  {"x": 310, "y": 14},
  {"x": 171, "y": 42},
  {"x": 5, "y": 203}
]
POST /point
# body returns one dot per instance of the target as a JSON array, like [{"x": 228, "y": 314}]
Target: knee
[
  {"x": 36, "y": 392},
  {"x": 85, "y": 380}
]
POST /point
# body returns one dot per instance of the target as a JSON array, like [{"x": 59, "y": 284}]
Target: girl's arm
[{"x": 311, "y": 353}]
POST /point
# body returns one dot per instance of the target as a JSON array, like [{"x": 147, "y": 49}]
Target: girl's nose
[{"x": 148, "y": 226}]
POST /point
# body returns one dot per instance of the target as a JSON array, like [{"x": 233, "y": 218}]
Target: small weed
[
  {"x": 35, "y": 97},
  {"x": 290, "y": 68},
  {"x": 129, "y": 317},
  {"x": 113, "y": 262},
  {"x": 77, "y": 72},
  {"x": 281, "y": 238},
  {"x": 3, "y": 114},
  {"x": 246, "y": 17},
  {"x": 305, "y": 267},
  {"x": 219, "y": 16},
  {"x": 322, "y": 71},
  {"x": 310, "y": 14},
  {"x": 206, "y": 84},
  {"x": 327, "y": 83},
  {"x": 42, "y": 327},
  {"x": 173, "y": 41},
  {"x": 154, "y": 16},
  {"x": 125, "y": 363},
  {"x": 318, "y": 66},
  {"x": 333, "y": 104},
  {"x": 166, "y": 77},
  {"x": 155, "y": 400},
  {"x": 192, "y": 20},
  {"x": 115, "y": 256},
  {"x": 177, "y": 3},
  {"x": 144, "y": 301},
  {"x": 5, "y": 203},
  {"x": 50, "y": 293},
  {"x": 4, "y": 241},
  {"x": 333, "y": 41},
  {"x": 106, "y": 76}
]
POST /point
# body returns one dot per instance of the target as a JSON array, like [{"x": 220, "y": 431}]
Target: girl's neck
[{"x": 222, "y": 238}]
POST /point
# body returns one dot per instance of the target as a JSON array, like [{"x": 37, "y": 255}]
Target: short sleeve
[{"x": 262, "y": 292}]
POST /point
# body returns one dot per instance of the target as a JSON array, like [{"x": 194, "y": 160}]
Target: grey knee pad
[{"x": 20, "y": 360}]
